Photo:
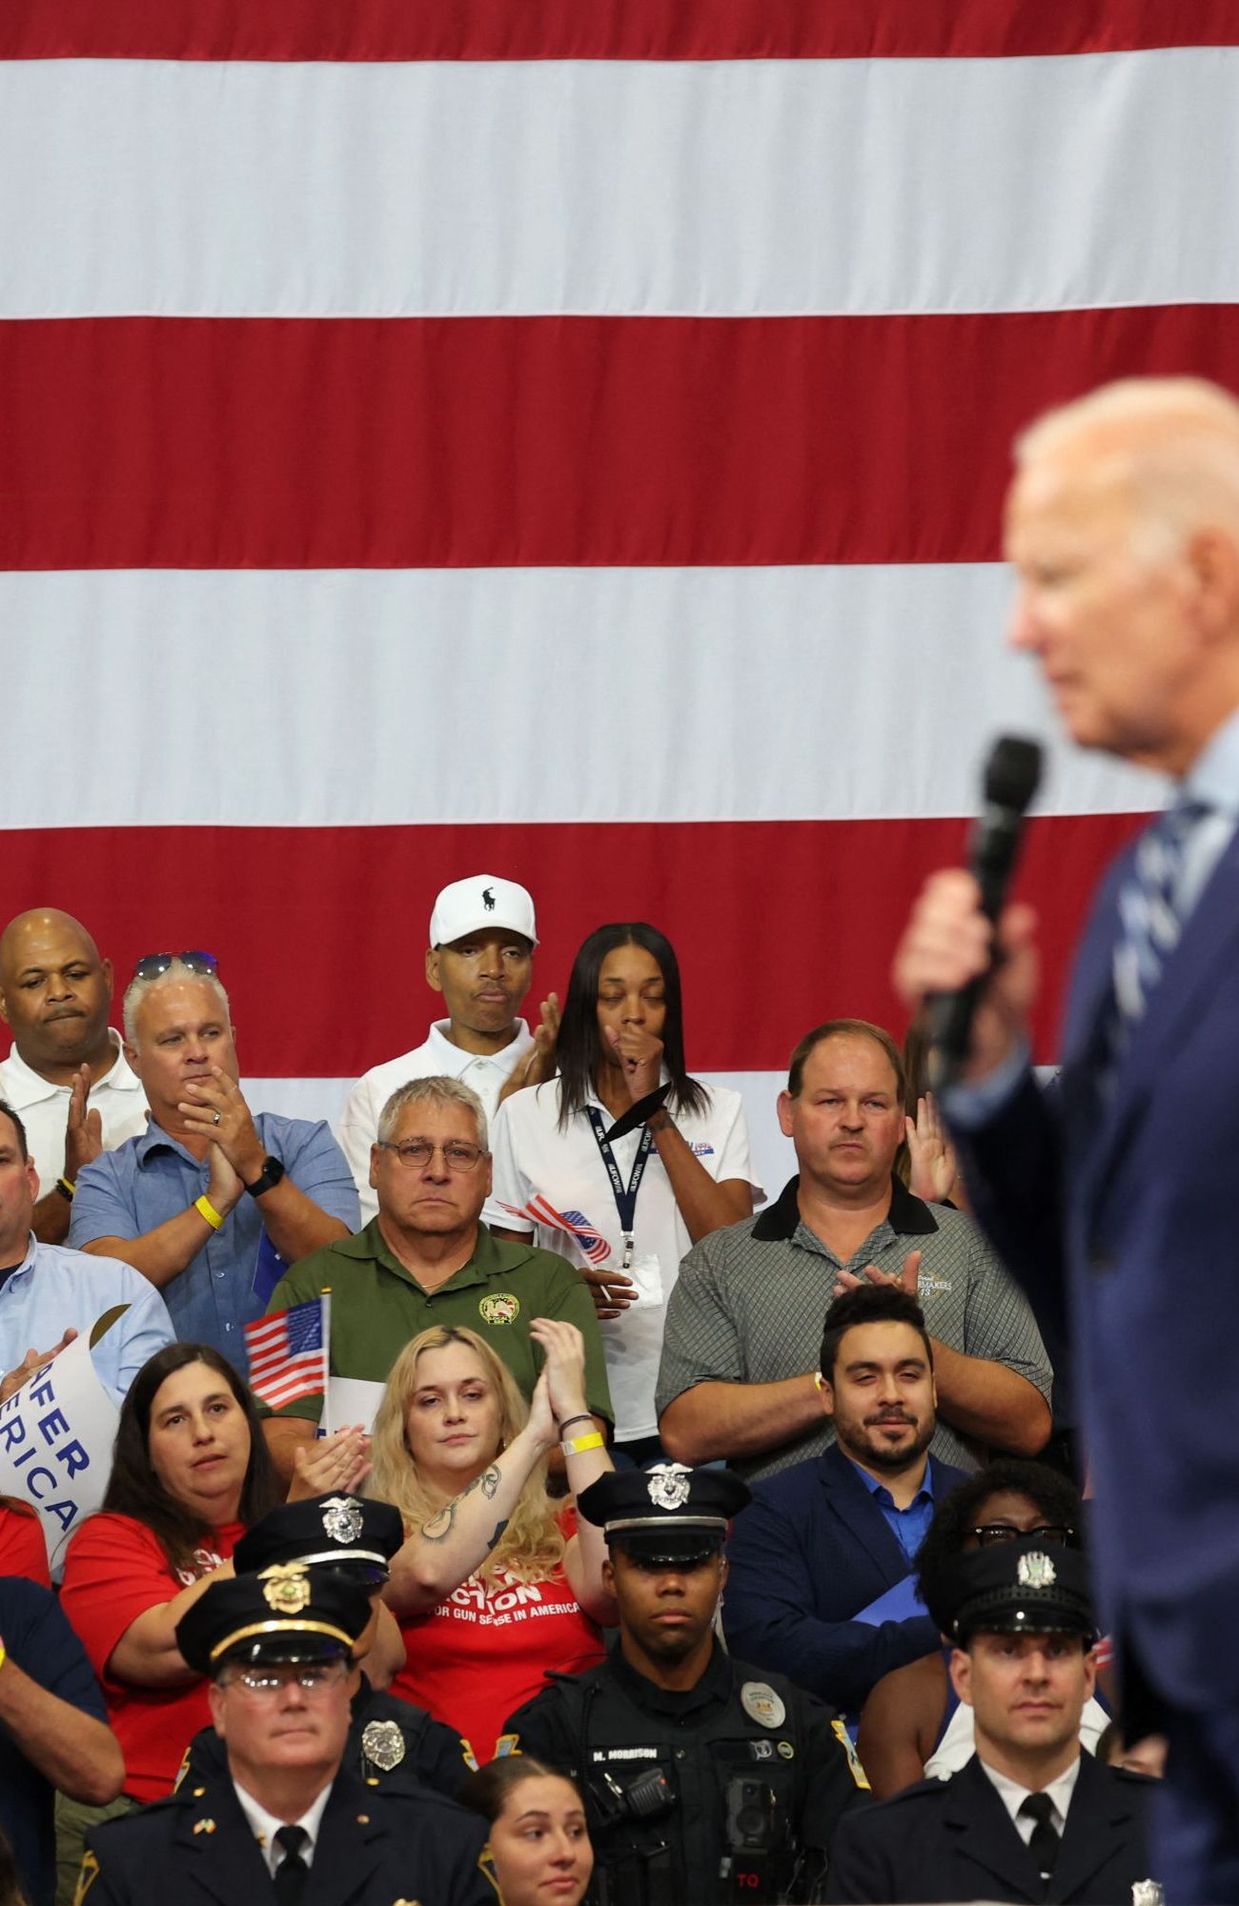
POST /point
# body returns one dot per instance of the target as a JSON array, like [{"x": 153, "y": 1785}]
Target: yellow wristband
[
  {"x": 576, "y": 1445},
  {"x": 206, "y": 1209},
  {"x": 3, "y": 1654},
  {"x": 66, "y": 1187}
]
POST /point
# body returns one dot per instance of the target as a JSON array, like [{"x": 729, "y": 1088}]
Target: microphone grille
[{"x": 1013, "y": 772}]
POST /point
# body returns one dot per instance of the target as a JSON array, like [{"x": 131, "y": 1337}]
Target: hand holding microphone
[{"x": 966, "y": 957}]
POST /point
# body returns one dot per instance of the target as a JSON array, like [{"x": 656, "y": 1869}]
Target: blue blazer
[
  {"x": 810, "y": 1551},
  {"x": 1108, "y": 1200}
]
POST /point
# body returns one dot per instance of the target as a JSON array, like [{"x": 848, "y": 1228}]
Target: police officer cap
[
  {"x": 288, "y": 1613},
  {"x": 349, "y": 1533},
  {"x": 1029, "y": 1586},
  {"x": 667, "y": 1513}
]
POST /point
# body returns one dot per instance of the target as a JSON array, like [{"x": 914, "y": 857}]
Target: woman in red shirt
[
  {"x": 492, "y": 1586},
  {"x": 189, "y": 1475},
  {"x": 23, "y": 1550}
]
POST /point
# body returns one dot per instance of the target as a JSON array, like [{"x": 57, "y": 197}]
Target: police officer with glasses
[{"x": 284, "y": 1821}]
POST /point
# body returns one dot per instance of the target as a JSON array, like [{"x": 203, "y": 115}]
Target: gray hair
[
  {"x": 438, "y": 1089},
  {"x": 138, "y": 988}
]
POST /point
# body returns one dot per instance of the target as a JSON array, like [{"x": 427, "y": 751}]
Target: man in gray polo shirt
[{"x": 738, "y": 1378}]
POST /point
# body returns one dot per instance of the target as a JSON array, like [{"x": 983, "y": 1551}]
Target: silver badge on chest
[{"x": 383, "y": 1743}]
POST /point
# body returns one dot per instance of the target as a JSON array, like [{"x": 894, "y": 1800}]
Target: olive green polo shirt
[{"x": 377, "y": 1306}]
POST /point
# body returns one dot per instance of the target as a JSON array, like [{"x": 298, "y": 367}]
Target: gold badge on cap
[
  {"x": 1035, "y": 1570},
  {"x": 383, "y": 1743},
  {"x": 669, "y": 1485},
  {"x": 762, "y": 1704},
  {"x": 342, "y": 1519},
  {"x": 286, "y": 1587}
]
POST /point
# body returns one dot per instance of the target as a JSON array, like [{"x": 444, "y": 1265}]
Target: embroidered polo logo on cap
[
  {"x": 286, "y": 1587},
  {"x": 1035, "y": 1570},
  {"x": 488, "y": 900},
  {"x": 342, "y": 1519},
  {"x": 668, "y": 1485},
  {"x": 499, "y": 1308}
]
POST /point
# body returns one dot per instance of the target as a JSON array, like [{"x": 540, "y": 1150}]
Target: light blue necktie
[{"x": 1149, "y": 920}]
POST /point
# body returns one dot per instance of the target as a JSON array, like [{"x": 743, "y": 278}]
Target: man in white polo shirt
[
  {"x": 480, "y": 957},
  {"x": 66, "y": 1073}
]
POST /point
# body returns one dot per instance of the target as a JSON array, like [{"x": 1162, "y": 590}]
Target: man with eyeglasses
[
  {"x": 66, "y": 1073},
  {"x": 284, "y": 1821},
  {"x": 212, "y": 1201},
  {"x": 427, "y": 1258},
  {"x": 1031, "y": 1816}
]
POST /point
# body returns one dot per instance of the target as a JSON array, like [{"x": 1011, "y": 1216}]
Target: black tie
[
  {"x": 292, "y": 1872},
  {"x": 1043, "y": 1842}
]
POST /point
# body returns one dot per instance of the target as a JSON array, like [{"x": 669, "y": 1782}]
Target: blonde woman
[{"x": 495, "y": 1583}]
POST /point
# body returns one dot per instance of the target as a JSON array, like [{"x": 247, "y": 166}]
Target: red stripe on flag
[
  {"x": 599, "y": 29},
  {"x": 320, "y": 931},
  {"x": 481, "y": 442}
]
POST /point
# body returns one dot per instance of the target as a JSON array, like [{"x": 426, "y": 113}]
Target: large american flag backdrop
[{"x": 563, "y": 438}]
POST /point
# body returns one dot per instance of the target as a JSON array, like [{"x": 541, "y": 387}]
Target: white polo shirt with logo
[
  {"x": 553, "y": 1184},
  {"x": 44, "y": 1108},
  {"x": 485, "y": 1073}
]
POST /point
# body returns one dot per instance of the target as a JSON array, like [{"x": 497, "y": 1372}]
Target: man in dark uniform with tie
[
  {"x": 284, "y": 1823},
  {"x": 1032, "y": 1816},
  {"x": 391, "y": 1742}
]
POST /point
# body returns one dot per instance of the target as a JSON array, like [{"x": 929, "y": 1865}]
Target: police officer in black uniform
[
  {"x": 1032, "y": 1816},
  {"x": 284, "y": 1822},
  {"x": 704, "y": 1780},
  {"x": 391, "y": 1743}
]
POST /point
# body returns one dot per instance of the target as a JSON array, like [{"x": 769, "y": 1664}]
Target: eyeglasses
[
  {"x": 312, "y": 1677},
  {"x": 151, "y": 965},
  {"x": 416, "y": 1153},
  {"x": 990, "y": 1534}
]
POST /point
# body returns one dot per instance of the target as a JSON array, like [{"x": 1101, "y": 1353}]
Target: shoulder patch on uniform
[
  {"x": 845, "y": 1741},
  {"x": 505, "y": 1745}
]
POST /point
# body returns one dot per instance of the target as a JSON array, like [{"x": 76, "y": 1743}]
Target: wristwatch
[{"x": 270, "y": 1175}]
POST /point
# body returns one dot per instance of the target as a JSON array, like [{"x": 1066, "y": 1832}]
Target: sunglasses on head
[{"x": 151, "y": 965}]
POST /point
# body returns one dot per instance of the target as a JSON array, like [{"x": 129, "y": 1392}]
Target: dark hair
[
  {"x": 838, "y": 1028},
  {"x": 579, "y": 1047},
  {"x": 1054, "y": 1497},
  {"x": 18, "y": 1127},
  {"x": 869, "y": 1304},
  {"x": 486, "y": 1790},
  {"x": 135, "y": 1490}
]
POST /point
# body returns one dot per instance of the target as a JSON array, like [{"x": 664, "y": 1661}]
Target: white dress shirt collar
[
  {"x": 264, "y": 1825},
  {"x": 1013, "y": 1797}
]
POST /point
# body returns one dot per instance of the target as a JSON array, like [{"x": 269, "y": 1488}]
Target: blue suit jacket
[
  {"x": 810, "y": 1551},
  {"x": 1109, "y": 1200}
]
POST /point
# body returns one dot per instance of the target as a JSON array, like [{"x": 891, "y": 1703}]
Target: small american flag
[
  {"x": 288, "y": 1352},
  {"x": 575, "y": 1223}
]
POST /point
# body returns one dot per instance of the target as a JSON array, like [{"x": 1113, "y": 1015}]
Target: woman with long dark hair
[
  {"x": 189, "y": 1474},
  {"x": 627, "y": 1208}
]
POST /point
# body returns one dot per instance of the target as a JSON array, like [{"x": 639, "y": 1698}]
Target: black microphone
[{"x": 1012, "y": 774}]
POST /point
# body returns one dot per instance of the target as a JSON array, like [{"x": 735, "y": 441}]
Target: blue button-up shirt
[
  {"x": 142, "y": 1184},
  {"x": 53, "y": 1288},
  {"x": 908, "y": 1526}
]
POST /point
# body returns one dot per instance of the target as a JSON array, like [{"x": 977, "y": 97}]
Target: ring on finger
[{"x": 216, "y": 1116}]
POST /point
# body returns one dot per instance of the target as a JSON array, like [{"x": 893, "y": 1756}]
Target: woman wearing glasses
[
  {"x": 912, "y": 1725},
  {"x": 494, "y": 1582},
  {"x": 625, "y": 1207},
  {"x": 189, "y": 1474}
]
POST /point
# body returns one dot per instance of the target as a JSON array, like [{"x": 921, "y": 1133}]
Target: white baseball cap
[{"x": 470, "y": 906}]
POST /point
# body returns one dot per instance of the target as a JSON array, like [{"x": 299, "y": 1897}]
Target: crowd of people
[{"x": 489, "y": 1624}]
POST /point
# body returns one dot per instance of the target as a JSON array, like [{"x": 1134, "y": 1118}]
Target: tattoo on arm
[
  {"x": 440, "y": 1524},
  {"x": 496, "y": 1535}
]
